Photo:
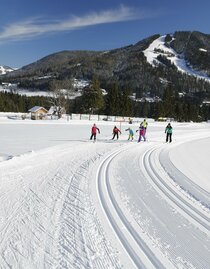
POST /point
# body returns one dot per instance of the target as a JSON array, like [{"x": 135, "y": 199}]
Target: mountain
[
  {"x": 191, "y": 60},
  {"x": 180, "y": 60},
  {"x": 5, "y": 69}
]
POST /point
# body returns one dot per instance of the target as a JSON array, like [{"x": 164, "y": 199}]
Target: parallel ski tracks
[
  {"x": 198, "y": 217},
  {"x": 137, "y": 250},
  {"x": 139, "y": 253}
]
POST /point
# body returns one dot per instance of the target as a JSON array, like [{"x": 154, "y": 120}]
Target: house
[{"x": 38, "y": 113}]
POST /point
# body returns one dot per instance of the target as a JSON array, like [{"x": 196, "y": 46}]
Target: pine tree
[
  {"x": 126, "y": 103},
  {"x": 113, "y": 100},
  {"x": 92, "y": 97},
  {"x": 145, "y": 109},
  {"x": 168, "y": 103}
]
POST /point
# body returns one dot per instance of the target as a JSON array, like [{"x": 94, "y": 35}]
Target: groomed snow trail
[
  {"x": 47, "y": 217},
  {"x": 109, "y": 204},
  {"x": 173, "y": 224}
]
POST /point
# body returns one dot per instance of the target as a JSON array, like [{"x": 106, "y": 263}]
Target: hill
[
  {"x": 180, "y": 61},
  {"x": 5, "y": 69}
]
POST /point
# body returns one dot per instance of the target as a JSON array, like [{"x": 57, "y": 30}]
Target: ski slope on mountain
[
  {"x": 67, "y": 202},
  {"x": 158, "y": 47},
  {"x": 5, "y": 69}
]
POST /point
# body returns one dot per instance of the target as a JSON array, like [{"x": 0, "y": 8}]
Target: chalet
[{"x": 38, "y": 113}]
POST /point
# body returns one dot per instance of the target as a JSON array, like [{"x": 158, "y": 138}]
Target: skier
[
  {"x": 168, "y": 132},
  {"x": 130, "y": 121},
  {"x": 144, "y": 124},
  {"x": 141, "y": 133},
  {"x": 116, "y": 132},
  {"x": 131, "y": 134},
  {"x": 94, "y": 131}
]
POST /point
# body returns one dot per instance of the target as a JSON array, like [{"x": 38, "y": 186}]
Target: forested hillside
[{"x": 128, "y": 68}]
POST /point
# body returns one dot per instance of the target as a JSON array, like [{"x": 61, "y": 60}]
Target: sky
[{"x": 31, "y": 30}]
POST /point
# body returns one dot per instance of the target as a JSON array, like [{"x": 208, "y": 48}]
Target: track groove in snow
[
  {"x": 184, "y": 182},
  {"x": 45, "y": 224},
  {"x": 155, "y": 217},
  {"x": 173, "y": 194},
  {"x": 136, "y": 248},
  {"x": 51, "y": 216}
]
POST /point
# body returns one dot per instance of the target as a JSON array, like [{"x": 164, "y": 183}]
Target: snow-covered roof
[
  {"x": 36, "y": 108},
  {"x": 52, "y": 110}
]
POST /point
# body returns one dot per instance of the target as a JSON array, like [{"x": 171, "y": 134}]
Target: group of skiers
[
  {"x": 95, "y": 129},
  {"x": 142, "y": 132}
]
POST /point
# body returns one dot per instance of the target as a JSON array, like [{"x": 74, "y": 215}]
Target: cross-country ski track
[{"x": 109, "y": 204}]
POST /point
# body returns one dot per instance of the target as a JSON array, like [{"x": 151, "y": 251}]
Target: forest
[{"x": 117, "y": 102}]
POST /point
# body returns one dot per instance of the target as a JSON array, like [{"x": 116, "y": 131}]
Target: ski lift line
[
  {"x": 172, "y": 195},
  {"x": 141, "y": 255}
]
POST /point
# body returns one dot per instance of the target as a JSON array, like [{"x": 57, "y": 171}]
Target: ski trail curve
[
  {"x": 136, "y": 248},
  {"x": 149, "y": 159},
  {"x": 176, "y": 232}
]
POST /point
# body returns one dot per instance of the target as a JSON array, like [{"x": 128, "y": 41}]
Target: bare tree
[{"x": 60, "y": 93}]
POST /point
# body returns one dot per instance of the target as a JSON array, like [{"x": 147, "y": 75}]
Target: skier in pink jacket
[{"x": 141, "y": 133}]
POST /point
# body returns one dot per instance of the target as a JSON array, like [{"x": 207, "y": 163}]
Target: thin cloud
[{"x": 35, "y": 27}]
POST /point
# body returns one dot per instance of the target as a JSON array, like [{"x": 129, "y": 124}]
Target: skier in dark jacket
[
  {"x": 168, "y": 131},
  {"x": 94, "y": 130},
  {"x": 116, "y": 132}
]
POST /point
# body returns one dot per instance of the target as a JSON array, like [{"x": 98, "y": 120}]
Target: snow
[
  {"x": 67, "y": 202},
  {"x": 157, "y": 47},
  {"x": 78, "y": 85},
  {"x": 6, "y": 69},
  {"x": 204, "y": 50},
  {"x": 14, "y": 89},
  {"x": 197, "y": 157}
]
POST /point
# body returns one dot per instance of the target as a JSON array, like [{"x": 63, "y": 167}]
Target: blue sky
[{"x": 32, "y": 29}]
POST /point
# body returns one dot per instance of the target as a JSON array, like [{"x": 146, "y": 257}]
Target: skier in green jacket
[{"x": 168, "y": 131}]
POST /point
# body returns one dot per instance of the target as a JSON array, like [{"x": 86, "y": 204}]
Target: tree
[
  {"x": 168, "y": 103},
  {"x": 126, "y": 103},
  {"x": 113, "y": 100},
  {"x": 145, "y": 109},
  {"x": 59, "y": 97},
  {"x": 92, "y": 97}
]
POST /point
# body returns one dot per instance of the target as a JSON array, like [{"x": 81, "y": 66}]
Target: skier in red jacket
[
  {"x": 94, "y": 130},
  {"x": 116, "y": 132}
]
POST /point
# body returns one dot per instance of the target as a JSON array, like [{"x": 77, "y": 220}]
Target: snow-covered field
[
  {"x": 66, "y": 202},
  {"x": 78, "y": 85}
]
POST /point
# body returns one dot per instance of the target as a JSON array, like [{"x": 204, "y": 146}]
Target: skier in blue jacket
[{"x": 131, "y": 134}]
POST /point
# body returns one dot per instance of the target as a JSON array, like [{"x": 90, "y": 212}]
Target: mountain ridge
[
  {"x": 4, "y": 69},
  {"x": 128, "y": 66}
]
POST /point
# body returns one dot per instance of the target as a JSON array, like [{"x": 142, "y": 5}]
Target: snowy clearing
[
  {"x": 158, "y": 44},
  {"x": 67, "y": 202}
]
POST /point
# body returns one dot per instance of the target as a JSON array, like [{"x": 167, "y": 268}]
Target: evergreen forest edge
[{"x": 116, "y": 102}]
